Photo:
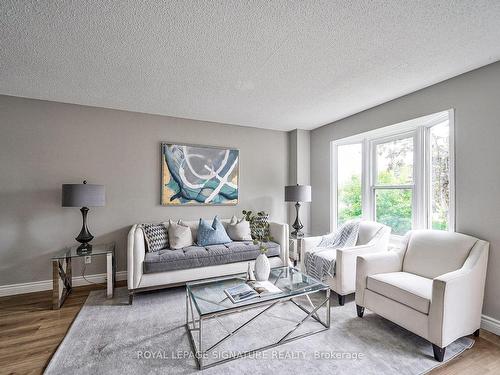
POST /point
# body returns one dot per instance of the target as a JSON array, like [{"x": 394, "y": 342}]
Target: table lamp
[
  {"x": 297, "y": 193},
  {"x": 84, "y": 196}
]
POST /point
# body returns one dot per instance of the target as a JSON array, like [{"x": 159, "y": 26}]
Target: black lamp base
[
  {"x": 84, "y": 237},
  {"x": 297, "y": 225},
  {"x": 84, "y": 248}
]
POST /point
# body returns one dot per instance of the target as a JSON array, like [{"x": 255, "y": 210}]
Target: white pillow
[
  {"x": 239, "y": 230},
  {"x": 179, "y": 235}
]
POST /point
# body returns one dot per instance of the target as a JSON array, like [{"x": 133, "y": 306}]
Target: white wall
[
  {"x": 45, "y": 144},
  {"x": 475, "y": 96}
]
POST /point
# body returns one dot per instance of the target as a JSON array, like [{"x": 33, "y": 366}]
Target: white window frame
[{"x": 419, "y": 129}]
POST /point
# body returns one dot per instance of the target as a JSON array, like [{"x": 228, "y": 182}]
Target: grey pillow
[
  {"x": 179, "y": 235},
  {"x": 239, "y": 230},
  {"x": 156, "y": 236}
]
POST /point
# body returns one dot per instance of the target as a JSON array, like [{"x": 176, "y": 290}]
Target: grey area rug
[{"x": 149, "y": 337}]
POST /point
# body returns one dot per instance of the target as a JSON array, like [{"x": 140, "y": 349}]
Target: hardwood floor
[{"x": 30, "y": 332}]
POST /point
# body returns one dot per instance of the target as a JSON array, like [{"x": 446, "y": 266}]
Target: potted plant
[{"x": 259, "y": 226}]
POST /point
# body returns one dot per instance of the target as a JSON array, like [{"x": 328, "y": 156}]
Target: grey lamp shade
[
  {"x": 298, "y": 193},
  {"x": 83, "y": 195}
]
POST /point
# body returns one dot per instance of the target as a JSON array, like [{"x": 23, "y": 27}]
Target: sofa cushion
[
  {"x": 409, "y": 289},
  {"x": 431, "y": 253},
  {"x": 198, "y": 256},
  {"x": 239, "y": 230},
  {"x": 156, "y": 236},
  {"x": 212, "y": 234},
  {"x": 179, "y": 235}
]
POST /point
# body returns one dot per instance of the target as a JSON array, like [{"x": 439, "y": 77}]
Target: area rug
[{"x": 149, "y": 337}]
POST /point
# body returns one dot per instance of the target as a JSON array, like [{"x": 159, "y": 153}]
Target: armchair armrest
[
  {"x": 372, "y": 264},
  {"x": 279, "y": 233},
  {"x": 457, "y": 298},
  {"x": 307, "y": 244},
  {"x": 346, "y": 260}
]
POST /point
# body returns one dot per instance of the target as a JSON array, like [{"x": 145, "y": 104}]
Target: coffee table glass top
[
  {"x": 98, "y": 249},
  {"x": 209, "y": 297}
]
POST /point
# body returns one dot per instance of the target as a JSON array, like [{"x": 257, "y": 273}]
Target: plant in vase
[{"x": 259, "y": 226}]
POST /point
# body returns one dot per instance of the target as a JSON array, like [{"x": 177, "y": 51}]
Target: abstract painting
[{"x": 194, "y": 175}]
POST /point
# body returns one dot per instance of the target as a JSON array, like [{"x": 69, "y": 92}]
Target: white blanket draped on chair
[{"x": 320, "y": 263}]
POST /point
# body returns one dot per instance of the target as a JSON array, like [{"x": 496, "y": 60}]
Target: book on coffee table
[{"x": 245, "y": 291}]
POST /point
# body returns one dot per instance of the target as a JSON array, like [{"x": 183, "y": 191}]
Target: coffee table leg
[
  {"x": 200, "y": 350},
  {"x": 328, "y": 308}
]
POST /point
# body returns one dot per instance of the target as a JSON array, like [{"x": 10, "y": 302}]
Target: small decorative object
[
  {"x": 199, "y": 175},
  {"x": 262, "y": 267},
  {"x": 297, "y": 193},
  {"x": 250, "y": 274},
  {"x": 260, "y": 234},
  {"x": 84, "y": 196}
]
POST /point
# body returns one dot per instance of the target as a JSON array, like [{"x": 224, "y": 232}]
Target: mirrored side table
[
  {"x": 62, "y": 274},
  {"x": 295, "y": 248}
]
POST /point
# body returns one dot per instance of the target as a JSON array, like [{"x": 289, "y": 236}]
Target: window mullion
[{"x": 368, "y": 163}]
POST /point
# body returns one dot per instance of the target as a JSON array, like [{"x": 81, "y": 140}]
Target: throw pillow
[
  {"x": 214, "y": 234},
  {"x": 256, "y": 225},
  {"x": 156, "y": 236},
  {"x": 239, "y": 230},
  {"x": 179, "y": 235}
]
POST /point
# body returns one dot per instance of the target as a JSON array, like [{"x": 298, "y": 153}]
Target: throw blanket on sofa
[{"x": 320, "y": 262}]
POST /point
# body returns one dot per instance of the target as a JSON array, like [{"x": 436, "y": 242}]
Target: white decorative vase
[{"x": 262, "y": 268}]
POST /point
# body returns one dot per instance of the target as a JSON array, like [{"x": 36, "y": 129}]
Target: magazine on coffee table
[{"x": 252, "y": 289}]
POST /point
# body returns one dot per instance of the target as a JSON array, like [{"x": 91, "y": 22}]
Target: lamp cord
[{"x": 87, "y": 280}]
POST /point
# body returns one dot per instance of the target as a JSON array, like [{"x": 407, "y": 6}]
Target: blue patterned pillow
[{"x": 214, "y": 234}]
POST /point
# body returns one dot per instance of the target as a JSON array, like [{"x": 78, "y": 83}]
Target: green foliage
[
  {"x": 394, "y": 206},
  {"x": 260, "y": 228},
  {"x": 349, "y": 198}
]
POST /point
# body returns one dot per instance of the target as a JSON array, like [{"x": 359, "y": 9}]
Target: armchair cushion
[
  {"x": 411, "y": 290},
  {"x": 431, "y": 253},
  {"x": 367, "y": 231}
]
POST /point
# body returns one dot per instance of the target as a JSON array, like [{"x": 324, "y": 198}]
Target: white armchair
[
  {"x": 372, "y": 238},
  {"x": 433, "y": 286}
]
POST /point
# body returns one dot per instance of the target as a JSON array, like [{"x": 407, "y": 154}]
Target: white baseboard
[
  {"x": 490, "y": 324},
  {"x": 38, "y": 286}
]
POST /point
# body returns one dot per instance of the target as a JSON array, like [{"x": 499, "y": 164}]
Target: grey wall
[
  {"x": 299, "y": 172},
  {"x": 45, "y": 144},
  {"x": 475, "y": 97}
]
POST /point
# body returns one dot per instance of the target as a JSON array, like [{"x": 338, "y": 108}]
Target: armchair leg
[
  {"x": 130, "y": 297},
  {"x": 360, "y": 310},
  {"x": 476, "y": 333},
  {"x": 341, "y": 300},
  {"x": 438, "y": 353}
]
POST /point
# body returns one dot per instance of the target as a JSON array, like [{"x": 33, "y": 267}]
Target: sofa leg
[
  {"x": 360, "y": 310},
  {"x": 341, "y": 300},
  {"x": 476, "y": 333},
  {"x": 130, "y": 297},
  {"x": 438, "y": 353}
]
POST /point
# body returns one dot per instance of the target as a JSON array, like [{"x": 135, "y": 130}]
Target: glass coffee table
[{"x": 206, "y": 299}]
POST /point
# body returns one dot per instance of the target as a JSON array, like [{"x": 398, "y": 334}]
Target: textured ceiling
[{"x": 271, "y": 64}]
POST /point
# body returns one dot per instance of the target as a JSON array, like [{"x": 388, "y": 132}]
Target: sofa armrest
[
  {"x": 136, "y": 252},
  {"x": 372, "y": 264},
  {"x": 279, "y": 233},
  {"x": 457, "y": 298}
]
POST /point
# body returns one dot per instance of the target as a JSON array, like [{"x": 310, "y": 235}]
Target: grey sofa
[{"x": 155, "y": 270}]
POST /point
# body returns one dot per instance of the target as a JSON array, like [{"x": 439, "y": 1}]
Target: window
[
  {"x": 349, "y": 182},
  {"x": 401, "y": 175}
]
